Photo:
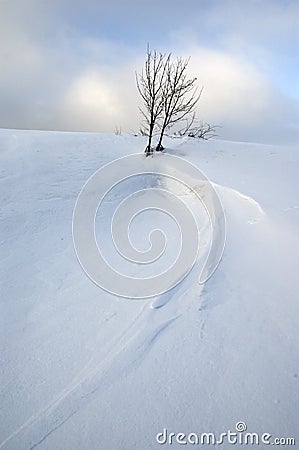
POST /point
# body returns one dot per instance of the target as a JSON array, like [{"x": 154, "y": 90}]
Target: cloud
[
  {"x": 71, "y": 65},
  {"x": 95, "y": 102},
  {"x": 242, "y": 100}
]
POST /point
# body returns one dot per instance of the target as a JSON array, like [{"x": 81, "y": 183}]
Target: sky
[{"x": 70, "y": 65}]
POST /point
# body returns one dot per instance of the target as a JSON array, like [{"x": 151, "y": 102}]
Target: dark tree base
[{"x": 148, "y": 151}]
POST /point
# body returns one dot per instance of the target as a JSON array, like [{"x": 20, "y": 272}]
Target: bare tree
[
  {"x": 202, "y": 130},
  {"x": 150, "y": 86},
  {"x": 169, "y": 97},
  {"x": 180, "y": 96}
]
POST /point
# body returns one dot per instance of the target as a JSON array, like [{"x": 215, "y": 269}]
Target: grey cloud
[{"x": 66, "y": 65}]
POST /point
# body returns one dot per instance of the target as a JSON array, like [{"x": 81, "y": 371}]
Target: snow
[{"x": 84, "y": 369}]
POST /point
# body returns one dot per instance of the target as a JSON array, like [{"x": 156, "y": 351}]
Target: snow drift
[{"x": 81, "y": 368}]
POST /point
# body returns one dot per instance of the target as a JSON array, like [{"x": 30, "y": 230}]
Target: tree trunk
[{"x": 160, "y": 147}]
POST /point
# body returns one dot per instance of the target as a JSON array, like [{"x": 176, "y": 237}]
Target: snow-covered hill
[{"x": 84, "y": 369}]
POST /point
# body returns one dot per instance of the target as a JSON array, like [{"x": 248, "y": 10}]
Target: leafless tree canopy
[
  {"x": 169, "y": 97},
  {"x": 150, "y": 86},
  {"x": 179, "y": 95}
]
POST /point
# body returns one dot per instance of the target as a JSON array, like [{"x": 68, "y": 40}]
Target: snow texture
[{"x": 83, "y": 369}]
